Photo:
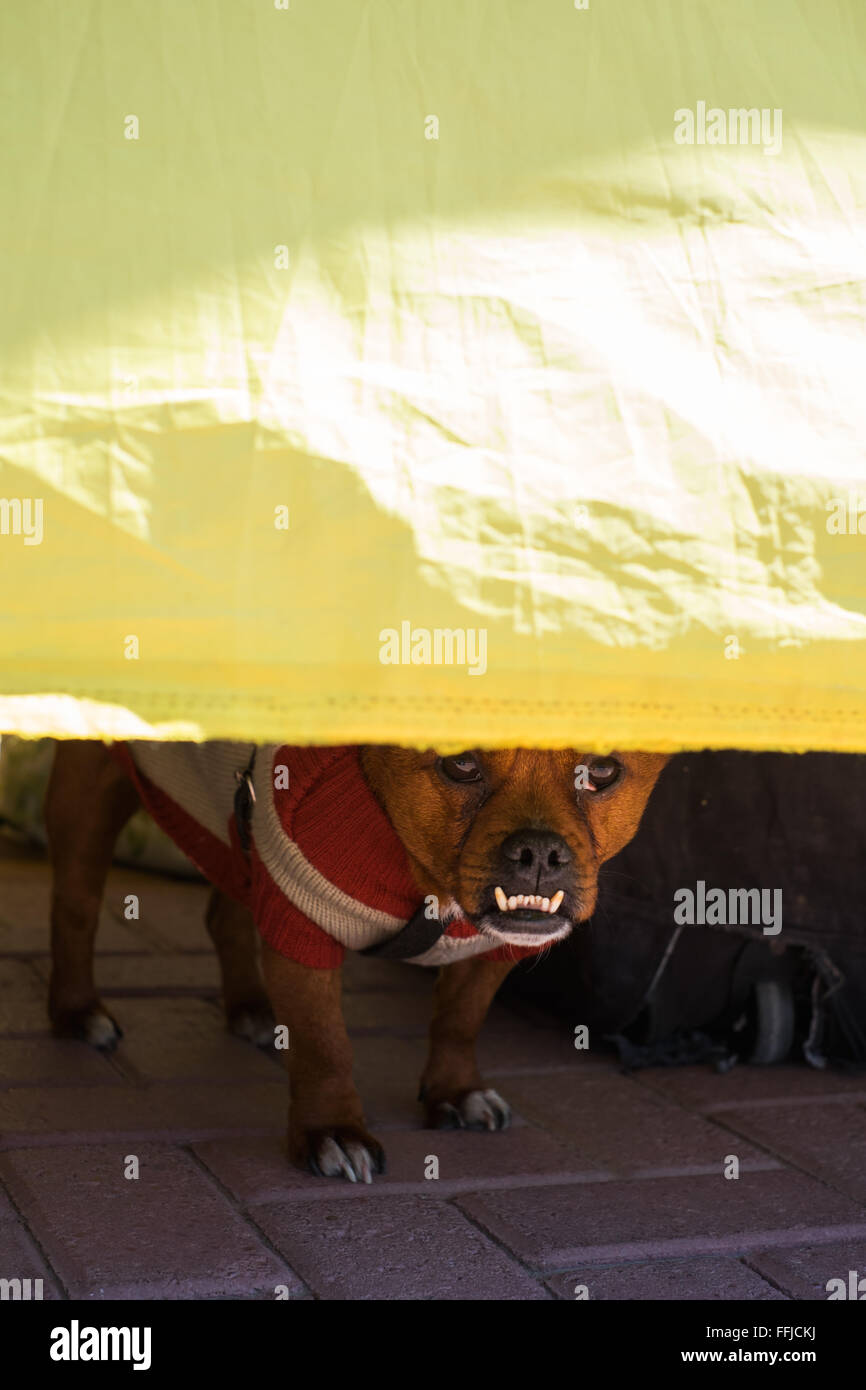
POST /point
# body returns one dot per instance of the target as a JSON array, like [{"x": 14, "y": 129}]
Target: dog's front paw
[
  {"x": 471, "y": 1110},
  {"x": 93, "y": 1025},
  {"x": 343, "y": 1151},
  {"x": 254, "y": 1022}
]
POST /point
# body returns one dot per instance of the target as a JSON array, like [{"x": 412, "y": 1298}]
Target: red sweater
[{"x": 326, "y": 869}]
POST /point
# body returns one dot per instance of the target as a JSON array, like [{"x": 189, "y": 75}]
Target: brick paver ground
[{"x": 607, "y": 1186}]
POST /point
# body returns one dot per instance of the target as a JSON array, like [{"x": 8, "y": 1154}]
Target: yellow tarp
[{"x": 331, "y": 326}]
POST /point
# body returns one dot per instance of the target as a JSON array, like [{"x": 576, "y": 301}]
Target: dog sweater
[{"x": 323, "y": 869}]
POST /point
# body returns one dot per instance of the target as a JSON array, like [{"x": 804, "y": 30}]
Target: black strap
[
  {"x": 419, "y": 934},
  {"x": 245, "y": 798}
]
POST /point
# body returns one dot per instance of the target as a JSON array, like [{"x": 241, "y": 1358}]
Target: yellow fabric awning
[{"x": 337, "y": 339}]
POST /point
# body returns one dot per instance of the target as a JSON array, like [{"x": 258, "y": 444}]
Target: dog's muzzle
[{"x": 534, "y": 900}]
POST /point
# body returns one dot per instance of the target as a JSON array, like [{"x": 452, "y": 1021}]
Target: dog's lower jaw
[
  {"x": 527, "y": 923},
  {"x": 557, "y": 929}
]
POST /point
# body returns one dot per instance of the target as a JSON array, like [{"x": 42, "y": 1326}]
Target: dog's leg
[
  {"x": 89, "y": 800},
  {"x": 326, "y": 1121},
  {"x": 452, "y": 1090},
  {"x": 233, "y": 932}
]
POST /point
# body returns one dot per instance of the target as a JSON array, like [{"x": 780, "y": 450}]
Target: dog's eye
[
  {"x": 603, "y": 772},
  {"x": 462, "y": 768}
]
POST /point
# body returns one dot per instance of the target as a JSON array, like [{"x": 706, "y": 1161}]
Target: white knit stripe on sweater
[
  {"x": 199, "y": 777},
  {"x": 347, "y": 920},
  {"x": 450, "y": 948}
]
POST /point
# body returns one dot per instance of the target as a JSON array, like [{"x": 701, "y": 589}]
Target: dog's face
[{"x": 513, "y": 839}]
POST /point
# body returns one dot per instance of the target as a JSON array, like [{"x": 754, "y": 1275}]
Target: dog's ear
[
  {"x": 648, "y": 765},
  {"x": 645, "y": 770},
  {"x": 616, "y": 819}
]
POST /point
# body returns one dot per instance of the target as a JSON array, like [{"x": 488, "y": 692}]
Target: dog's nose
[{"x": 536, "y": 860}]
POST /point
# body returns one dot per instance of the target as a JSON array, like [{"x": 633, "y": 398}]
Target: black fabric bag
[{"x": 668, "y": 993}]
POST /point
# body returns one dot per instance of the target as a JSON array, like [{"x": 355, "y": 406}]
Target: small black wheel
[{"x": 771, "y": 1023}]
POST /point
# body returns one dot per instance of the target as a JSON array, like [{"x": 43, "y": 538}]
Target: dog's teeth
[{"x": 532, "y": 900}]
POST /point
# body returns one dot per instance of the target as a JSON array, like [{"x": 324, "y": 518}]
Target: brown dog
[{"x": 500, "y": 849}]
